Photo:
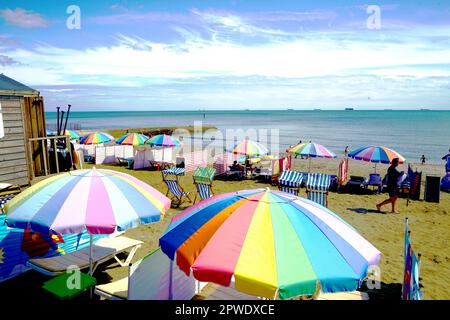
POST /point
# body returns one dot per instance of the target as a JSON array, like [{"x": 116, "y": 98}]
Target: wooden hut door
[{"x": 35, "y": 120}]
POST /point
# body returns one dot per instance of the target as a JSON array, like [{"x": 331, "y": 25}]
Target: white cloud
[
  {"x": 289, "y": 68},
  {"x": 23, "y": 18}
]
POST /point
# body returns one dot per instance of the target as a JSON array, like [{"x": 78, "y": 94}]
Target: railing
[{"x": 44, "y": 152}]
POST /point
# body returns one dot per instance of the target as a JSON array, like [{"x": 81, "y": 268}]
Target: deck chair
[
  {"x": 317, "y": 187},
  {"x": 103, "y": 250},
  {"x": 7, "y": 192},
  {"x": 154, "y": 277},
  {"x": 290, "y": 182},
  {"x": 375, "y": 181},
  {"x": 203, "y": 180},
  {"x": 170, "y": 178}
]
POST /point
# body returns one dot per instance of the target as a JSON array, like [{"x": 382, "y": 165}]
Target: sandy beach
[{"x": 429, "y": 224}]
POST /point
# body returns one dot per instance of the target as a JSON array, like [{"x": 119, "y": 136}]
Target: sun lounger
[
  {"x": 290, "y": 182},
  {"x": 317, "y": 187},
  {"x": 126, "y": 162},
  {"x": 103, "y": 250},
  {"x": 154, "y": 277},
  {"x": 203, "y": 179}
]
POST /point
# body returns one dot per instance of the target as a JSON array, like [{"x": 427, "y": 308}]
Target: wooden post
[
  {"x": 69, "y": 148},
  {"x": 44, "y": 156},
  {"x": 30, "y": 151},
  {"x": 56, "y": 155}
]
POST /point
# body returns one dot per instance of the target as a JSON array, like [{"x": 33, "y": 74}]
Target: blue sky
[{"x": 167, "y": 54}]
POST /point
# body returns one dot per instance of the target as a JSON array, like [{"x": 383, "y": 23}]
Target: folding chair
[
  {"x": 7, "y": 192},
  {"x": 170, "y": 178},
  {"x": 375, "y": 181},
  {"x": 290, "y": 182},
  {"x": 317, "y": 187},
  {"x": 203, "y": 179}
]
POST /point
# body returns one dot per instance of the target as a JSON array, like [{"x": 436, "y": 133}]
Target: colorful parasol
[
  {"x": 163, "y": 140},
  {"x": 269, "y": 244},
  {"x": 132, "y": 139},
  {"x": 98, "y": 201},
  {"x": 96, "y": 138},
  {"x": 72, "y": 133},
  {"x": 250, "y": 148},
  {"x": 377, "y": 154},
  {"x": 311, "y": 150}
]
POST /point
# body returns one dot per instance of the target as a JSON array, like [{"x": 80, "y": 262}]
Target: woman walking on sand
[{"x": 392, "y": 178}]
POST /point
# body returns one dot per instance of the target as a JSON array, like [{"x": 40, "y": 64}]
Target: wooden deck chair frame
[
  {"x": 183, "y": 194},
  {"x": 203, "y": 181}
]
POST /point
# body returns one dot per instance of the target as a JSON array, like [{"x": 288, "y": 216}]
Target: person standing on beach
[
  {"x": 423, "y": 159},
  {"x": 346, "y": 152},
  {"x": 392, "y": 178}
]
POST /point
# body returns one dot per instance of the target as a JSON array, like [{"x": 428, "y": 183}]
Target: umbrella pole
[
  {"x": 163, "y": 163},
  {"x": 90, "y": 254},
  {"x": 90, "y": 261},
  {"x": 375, "y": 167},
  {"x": 309, "y": 167}
]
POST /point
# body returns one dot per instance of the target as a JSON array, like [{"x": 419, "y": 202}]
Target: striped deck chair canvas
[
  {"x": 203, "y": 180},
  {"x": 317, "y": 187},
  {"x": 290, "y": 182},
  {"x": 3, "y": 200},
  {"x": 7, "y": 192},
  {"x": 170, "y": 178}
]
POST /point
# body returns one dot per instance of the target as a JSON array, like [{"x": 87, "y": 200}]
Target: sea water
[{"x": 411, "y": 133}]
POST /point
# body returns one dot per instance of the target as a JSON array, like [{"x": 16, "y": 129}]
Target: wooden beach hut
[{"x": 22, "y": 118}]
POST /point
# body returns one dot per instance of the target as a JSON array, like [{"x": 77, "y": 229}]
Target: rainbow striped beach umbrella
[
  {"x": 250, "y": 148},
  {"x": 132, "y": 139},
  {"x": 163, "y": 140},
  {"x": 377, "y": 154},
  {"x": 96, "y": 200},
  {"x": 311, "y": 150},
  {"x": 72, "y": 133},
  {"x": 269, "y": 244},
  {"x": 96, "y": 138}
]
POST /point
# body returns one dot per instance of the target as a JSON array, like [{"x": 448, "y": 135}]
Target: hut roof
[{"x": 10, "y": 86}]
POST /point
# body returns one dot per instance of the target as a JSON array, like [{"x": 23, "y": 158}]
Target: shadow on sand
[{"x": 365, "y": 210}]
